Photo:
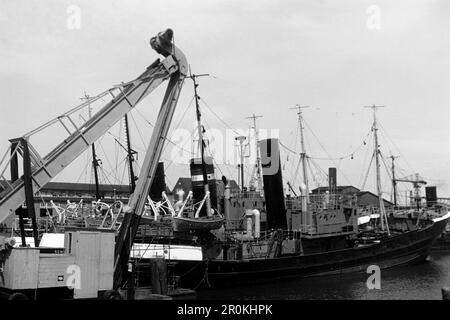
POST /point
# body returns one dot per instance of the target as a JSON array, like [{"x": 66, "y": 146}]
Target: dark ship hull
[{"x": 405, "y": 248}]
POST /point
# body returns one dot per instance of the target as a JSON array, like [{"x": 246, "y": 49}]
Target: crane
[
  {"x": 417, "y": 182},
  {"x": 39, "y": 170}
]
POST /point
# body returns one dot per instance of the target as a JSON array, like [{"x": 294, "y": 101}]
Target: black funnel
[
  {"x": 273, "y": 184},
  {"x": 431, "y": 196},
  {"x": 158, "y": 184}
]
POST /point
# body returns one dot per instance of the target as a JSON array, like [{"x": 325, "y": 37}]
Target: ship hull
[
  {"x": 406, "y": 248},
  {"x": 182, "y": 224}
]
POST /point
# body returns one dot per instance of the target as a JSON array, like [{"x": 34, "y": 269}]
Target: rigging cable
[
  {"x": 350, "y": 155},
  {"x": 217, "y": 116},
  {"x": 292, "y": 165},
  {"x": 393, "y": 143},
  {"x": 179, "y": 123},
  {"x": 387, "y": 170},
  {"x": 360, "y": 181},
  {"x": 177, "y": 126},
  {"x": 209, "y": 127},
  {"x": 312, "y": 172},
  {"x": 83, "y": 171},
  {"x": 137, "y": 129},
  {"x": 182, "y": 148},
  {"x": 342, "y": 173},
  {"x": 386, "y": 166},
  {"x": 107, "y": 158},
  {"x": 318, "y": 168},
  {"x": 117, "y": 147},
  {"x": 288, "y": 149},
  {"x": 368, "y": 170}
]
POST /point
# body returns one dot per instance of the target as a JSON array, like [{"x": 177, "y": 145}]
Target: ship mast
[
  {"x": 201, "y": 145},
  {"x": 95, "y": 161},
  {"x": 130, "y": 156},
  {"x": 303, "y": 149},
  {"x": 258, "y": 156},
  {"x": 383, "y": 217},
  {"x": 394, "y": 182}
]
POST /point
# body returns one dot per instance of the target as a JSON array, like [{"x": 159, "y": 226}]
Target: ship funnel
[
  {"x": 332, "y": 183},
  {"x": 431, "y": 196},
  {"x": 273, "y": 183},
  {"x": 198, "y": 189},
  {"x": 158, "y": 184}
]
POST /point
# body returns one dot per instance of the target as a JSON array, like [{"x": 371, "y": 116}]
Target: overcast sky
[{"x": 265, "y": 56}]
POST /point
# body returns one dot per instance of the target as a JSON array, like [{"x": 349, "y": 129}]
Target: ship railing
[
  {"x": 327, "y": 201},
  {"x": 247, "y": 195},
  {"x": 376, "y": 210},
  {"x": 441, "y": 202},
  {"x": 291, "y": 234},
  {"x": 424, "y": 212},
  {"x": 308, "y": 229},
  {"x": 312, "y": 230},
  {"x": 366, "y": 210},
  {"x": 320, "y": 202},
  {"x": 265, "y": 235},
  {"x": 42, "y": 226},
  {"x": 423, "y": 203},
  {"x": 294, "y": 203}
]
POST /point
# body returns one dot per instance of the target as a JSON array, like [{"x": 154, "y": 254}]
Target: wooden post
[
  {"x": 163, "y": 277},
  {"x": 14, "y": 167},
  {"x": 131, "y": 291},
  {"x": 155, "y": 277},
  {"x": 226, "y": 202},
  {"x": 28, "y": 184},
  {"x": 159, "y": 276},
  {"x": 446, "y": 293}
]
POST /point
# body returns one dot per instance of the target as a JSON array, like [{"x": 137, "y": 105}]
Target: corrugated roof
[
  {"x": 372, "y": 194},
  {"x": 185, "y": 184},
  {"x": 338, "y": 188},
  {"x": 70, "y": 186}
]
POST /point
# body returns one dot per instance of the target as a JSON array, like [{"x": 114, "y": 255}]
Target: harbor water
[{"x": 417, "y": 282}]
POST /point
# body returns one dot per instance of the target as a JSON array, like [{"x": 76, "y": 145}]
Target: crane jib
[{"x": 44, "y": 169}]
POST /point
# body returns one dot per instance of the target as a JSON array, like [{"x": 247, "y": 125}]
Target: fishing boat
[
  {"x": 404, "y": 248},
  {"x": 332, "y": 237}
]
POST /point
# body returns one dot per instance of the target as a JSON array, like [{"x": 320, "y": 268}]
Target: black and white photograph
[{"x": 216, "y": 156}]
